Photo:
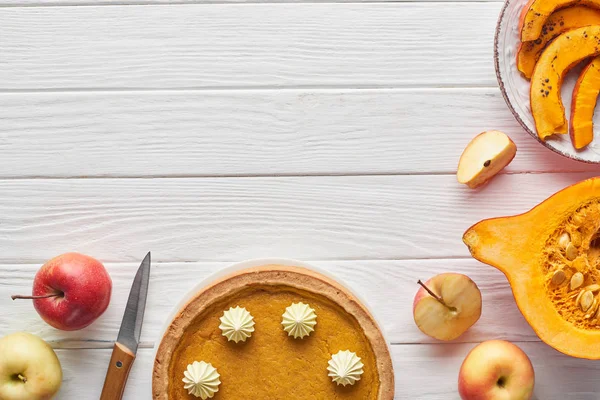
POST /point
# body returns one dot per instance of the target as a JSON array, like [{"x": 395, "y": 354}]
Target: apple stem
[
  {"x": 46, "y": 296},
  {"x": 21, "y": 377},
  {"x": 435, "y": 296}
]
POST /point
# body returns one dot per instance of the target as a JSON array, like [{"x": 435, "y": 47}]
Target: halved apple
[
  {"x": 559, "y": 22},
  {"x": 585, "y": 95},
  {"x": 557, "y": 59},
  {"x": 484, "y": 157},
  {"x": 447, "y": 305},
  {"x": 536, "y": 12}
]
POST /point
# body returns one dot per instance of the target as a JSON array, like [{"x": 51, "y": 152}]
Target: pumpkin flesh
[
  {"x": 583, "y": 105},
  {"x": 559, "y": 22},
  {"x": 536, "y": 12},
  {"x": 556, "y": 60},
  {"x": 528, "y": 249}
]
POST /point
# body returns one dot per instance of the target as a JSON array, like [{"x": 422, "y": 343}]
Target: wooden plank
[
  {"x": 430, "y": 372},
  {"x": 84, "y": 371},
  {"x": 387, "y": 287},
  {"x": 258, "y": 45},
  {"x": 327, "y": 218},
  {"x": 424, "y": 372},
  {"x": 227, "y": 133},
  {"x": 40, "y": 3}
]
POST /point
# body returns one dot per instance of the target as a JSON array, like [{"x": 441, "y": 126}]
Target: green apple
[{"x": 29, "y": 368}]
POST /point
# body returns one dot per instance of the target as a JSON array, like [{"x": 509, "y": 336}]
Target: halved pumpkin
[
  {"x": 559, "y": 22},
  {"x": 536, "y": 12},
  {"x": 550, "y": 255},
  {"x": 557, "y": 59},
  {"x": 583, "y": 104}
]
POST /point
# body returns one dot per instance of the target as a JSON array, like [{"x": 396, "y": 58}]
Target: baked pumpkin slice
[
  {"x": 550, "y": 256},
  {"x": 536, "y": 12},
  {"x": 557, "y": 59},
  {"x": 271, "y": 364},
  {"x": 559, "y": 22},
  {"x": 585, "y": 95}
]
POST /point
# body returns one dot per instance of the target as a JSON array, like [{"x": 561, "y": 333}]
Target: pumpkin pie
[{"x": 271, "y": 363}]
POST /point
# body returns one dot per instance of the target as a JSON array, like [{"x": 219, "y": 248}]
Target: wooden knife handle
[{"x": 118, "y": 371}]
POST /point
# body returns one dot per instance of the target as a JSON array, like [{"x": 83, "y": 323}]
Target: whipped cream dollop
[
  {"x": 345, "y": 368},
  {"x": 237, "y": 324},
  {"x": 299, "y": 320},
  {"x": 201, "y": 380}
]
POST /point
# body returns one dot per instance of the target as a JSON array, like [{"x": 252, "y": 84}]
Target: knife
[{"x": 127, "y": 342}]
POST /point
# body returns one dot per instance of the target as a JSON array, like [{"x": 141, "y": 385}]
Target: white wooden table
[{"x": 212, "y": 132}]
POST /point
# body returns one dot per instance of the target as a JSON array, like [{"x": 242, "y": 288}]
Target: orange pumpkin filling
[
  {"x": 572, "y": 259},
  {"x": 271, "y": 364}
]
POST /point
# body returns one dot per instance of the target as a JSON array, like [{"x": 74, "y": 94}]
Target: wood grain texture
[
  {"x": 218, "y": 97},
  {"x": 265, "y": 132},
  {"x": 328, "y": 218},
  {"x": 119, "y": 367},
  {"x": 40, "y": 3},
  {"x": 387, "y": 287},
  {"x": 84, "y": 371},
  {"x": 424, "y": 372},
  {"x": 255, "y": 45}
]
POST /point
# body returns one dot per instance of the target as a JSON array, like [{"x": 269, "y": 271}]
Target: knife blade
[{"x": 128, "y": 339}]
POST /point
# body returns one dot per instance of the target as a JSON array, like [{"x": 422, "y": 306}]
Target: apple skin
[
  {"x": 436, "y": 283},
  {"x": 85, "y": 288},
  {"x": 422, "y": 293},
  {"x": 496, "y": 369},
  {"x": 28, "y": 355},
  {"x": 484, "y": 157}
]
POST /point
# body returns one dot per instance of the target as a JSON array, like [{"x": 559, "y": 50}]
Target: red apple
[
  {"x": 447, "y": 305},
  {"x": 496, "y": 370},
  {"x": 71, "y": 291}
]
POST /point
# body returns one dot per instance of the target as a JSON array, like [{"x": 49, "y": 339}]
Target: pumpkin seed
[
  {"x": 587, "y": 298},
  {"x": 597, "y": 313},
  {"x": 571, "y": 252},
  {"x": 578, "y": 219},
  {"x": 559, "y": 277},
  {"x": 592, "y": 310},
  {"x": 576, "y": 280},
  {"x": 581, "y": 292},
  {"x": 564, "y": 240},
  {"x": 576, "y": 294},
  {"x": 576, "y": 238},
  {"x": 581, "y": 263},
  {"x": 592, "y": 288}
]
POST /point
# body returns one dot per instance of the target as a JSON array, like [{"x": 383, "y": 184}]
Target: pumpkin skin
[
  {"x": 559, "y": 22},
  {"x": 557, "y": 59},
  {"x": 536, "y": 12},
  {"x": 524, "y": 247},
  {"x": 585, "y": 95}
]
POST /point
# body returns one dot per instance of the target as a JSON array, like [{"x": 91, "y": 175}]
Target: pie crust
[{"x": 272, "y": 275}]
